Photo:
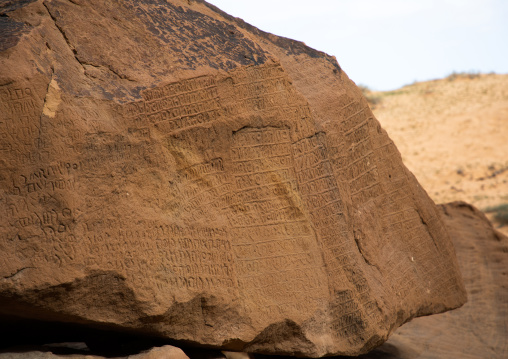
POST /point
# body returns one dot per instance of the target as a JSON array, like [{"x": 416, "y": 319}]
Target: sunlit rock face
[{"x": 169, "y": 170}]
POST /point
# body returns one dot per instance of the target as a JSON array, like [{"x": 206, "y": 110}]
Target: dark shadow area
[
  {"x": 200, "y": 353},
  {"x": 21, "y": 335},
  {"x": 385, "y": 351},
  {"x": 24, "y": 335}
]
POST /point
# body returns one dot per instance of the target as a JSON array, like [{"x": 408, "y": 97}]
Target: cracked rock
[{"x": 169, "y": 170}]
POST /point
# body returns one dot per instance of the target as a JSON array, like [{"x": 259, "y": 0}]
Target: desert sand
[{"x": 453, "y": 136}]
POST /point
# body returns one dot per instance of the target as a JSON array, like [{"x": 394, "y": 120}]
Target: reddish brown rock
[
  {"x": 479, "y": 329},
  {"x": 170, "y": 170},
  {"x": 165, "y": 352}
]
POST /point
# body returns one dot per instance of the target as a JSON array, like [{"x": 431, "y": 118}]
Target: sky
[{"x": 386, "y": 44}]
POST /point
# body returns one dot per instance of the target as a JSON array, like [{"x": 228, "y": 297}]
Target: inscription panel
[
  {"x": 274, "y": 240},
  {"x": 364, "y": 157},
  {"x": 183, "y": 260},
  {"x": 321, "y": 193},
  {"x": 19, "y": 124},
  {"x": 220, "y": 186}
]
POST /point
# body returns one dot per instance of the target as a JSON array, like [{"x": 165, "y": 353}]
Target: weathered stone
[
  {"x": 238, "y": 355},
  {"x": 164, "y": 352},
  {"x": 170, "y": 170},
  {"x": 479, "y": 329}
]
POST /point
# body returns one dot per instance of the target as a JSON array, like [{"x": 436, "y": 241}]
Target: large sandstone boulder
[{"x": 170, "y": 170}]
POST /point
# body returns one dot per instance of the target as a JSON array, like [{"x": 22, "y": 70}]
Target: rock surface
[
  {"x": 164, "y": 352},
  {"x": 477, "y": 330},
  {"x": 169, "y": 170},
  {"x": 480, "y": 328}
]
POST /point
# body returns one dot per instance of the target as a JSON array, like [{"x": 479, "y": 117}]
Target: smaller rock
[
  {"x": 40, "y": 355},
  {"x": 165, "y": 352},
  {"x": 237, "y": 355}
]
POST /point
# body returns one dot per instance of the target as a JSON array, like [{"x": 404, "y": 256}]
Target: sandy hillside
[{"x": 453, "y": 135}]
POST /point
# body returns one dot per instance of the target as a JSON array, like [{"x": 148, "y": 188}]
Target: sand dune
[{"x": 453, "y": 135}]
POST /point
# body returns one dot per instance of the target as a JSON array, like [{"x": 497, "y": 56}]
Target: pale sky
[{"x": 386, "y": 44}]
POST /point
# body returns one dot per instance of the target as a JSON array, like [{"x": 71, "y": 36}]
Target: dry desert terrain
[{"x": 453, "y": 135}]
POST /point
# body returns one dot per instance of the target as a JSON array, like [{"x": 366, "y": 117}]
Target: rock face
[
  {"x": 165, "y": 352},
  {"x": 170, "y": 170},
  {"x": 479, "y": 329}
]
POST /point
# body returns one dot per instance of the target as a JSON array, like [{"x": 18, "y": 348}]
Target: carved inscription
[
  {"x": 352, "y": 151},
  {"x": 180, "y": 258},
  {"x": 263, "y": 90},
  {"x": 273, "y": 239},
  {"x": 19, "y": 122},
  {"x": 221, "y": 186},
  {"x": 321, "y": 193},
  {"x": 47, "y": 179},
  {"x": 206, "y": 189},
  {"x": 175, "y": 106},
  {"x": 266, "y": 91},
  {"x": 253, "y": 157},
  {"x": 182, "y": 104}
]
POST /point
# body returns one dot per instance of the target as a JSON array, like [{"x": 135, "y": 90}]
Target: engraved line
[
  {"x": 260, "y": 172},
  {"x": 271, "y": 224},
  {"x": 363, "y": 173},
  {"x": 262, "y": 80},
  {"x": 365, "y": 188},
  {"x": 286, "y": 238},
  {"x": 214, "y": 100},
  {"x": 361, "y": 158},
  {"x": 279, "y": 271},
  {"x": 361, "y": 124},
  {"x": 275, "y": 256},
  {"x": 180, "y": 93},
  {"x": 263, "y": 144},
  {"x": 356, "y": 113},
  {"x": 317, "y": 179},
  {"x": 257, "y": 158}
]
